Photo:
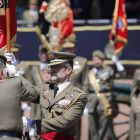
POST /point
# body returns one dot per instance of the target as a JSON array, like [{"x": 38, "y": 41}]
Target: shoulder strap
[{"x": 100, "y": 95}]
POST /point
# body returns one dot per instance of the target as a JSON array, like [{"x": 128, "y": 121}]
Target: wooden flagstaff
[{"x": 7, "y": 6}]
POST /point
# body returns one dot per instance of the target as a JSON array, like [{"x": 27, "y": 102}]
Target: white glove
[
  {"x": 10, "y": 57},
  {"x": 85, "y": 111},
  {"x": 118, "y": 64},
  {"x": 28, "y": 122},
  {"x": 11, "y": 70},
  {"x": 25, "y": 106},
  {"x": 32, "y": 132}
]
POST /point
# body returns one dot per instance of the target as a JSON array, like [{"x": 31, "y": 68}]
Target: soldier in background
[
  {"x": 46, "y": 74},
  {"x": 99, "y": 96},
  {"x": 38, "y": 79},
  {"x": 135, "y": 107},
  {"x": 32, "y": 13},
  {"x": 79, "y": 76}
]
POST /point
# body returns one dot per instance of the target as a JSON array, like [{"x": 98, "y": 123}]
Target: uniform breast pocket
[
  {"x": 59, "y": 109},
  {"x": 45, "y": 103}
]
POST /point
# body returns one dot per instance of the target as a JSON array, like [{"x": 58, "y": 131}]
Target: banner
[
  {"x": 119, "y": 33},
  {"x": 55, "y": 24},
  {"x": 13, "y": 24}
]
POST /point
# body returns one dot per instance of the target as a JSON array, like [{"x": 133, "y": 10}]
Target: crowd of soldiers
[{"x": 91, "y": 86}]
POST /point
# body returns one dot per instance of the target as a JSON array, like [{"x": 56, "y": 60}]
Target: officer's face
[
  {"x": 46, "y": 76},
  {"x": 43, "y": 57},
  {"x": 60, "y": 73},
  {"x": 97, "y": 62},
  {"x": 70, "y": 50}
]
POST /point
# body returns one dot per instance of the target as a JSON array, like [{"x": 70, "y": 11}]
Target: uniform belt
[{"x": 5, "y": 134}]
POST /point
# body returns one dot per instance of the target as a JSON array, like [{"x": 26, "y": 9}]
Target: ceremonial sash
[
  {"x": 55, "y": 136},
  {"x": 108, "y": 110}
]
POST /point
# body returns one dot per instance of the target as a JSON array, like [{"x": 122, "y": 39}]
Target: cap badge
[
  {"x": 72, "y": 95},
  {"x": 51, "y": 56}
]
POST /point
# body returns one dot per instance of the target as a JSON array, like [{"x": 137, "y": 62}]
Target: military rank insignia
[
  {"x": 45, "y": 95},
  {"x": 44, "y": 88}
]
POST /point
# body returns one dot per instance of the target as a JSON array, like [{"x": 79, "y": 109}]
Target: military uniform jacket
[
  {"x": 135, "y": 106},
  {"x": 60, "y": 114},
  {"x": 24, "y": 71},
  {"x": 79, "y": 76},
  {"x": 104, "y": 78},
  {"x": 12, "y": 92}
]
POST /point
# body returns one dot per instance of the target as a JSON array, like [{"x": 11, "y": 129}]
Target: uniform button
[
  {"x": 134, "y": 98},
  {"x": 60, "y": 110}
]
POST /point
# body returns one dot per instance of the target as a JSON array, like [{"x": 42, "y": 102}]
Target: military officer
[
  {"x": 135, "y": 107},
  {"x": 12, "y": 92},
  {"x": 61, "y": 103},
  {"x": 32, "y": 13},
  {"x": 79, "y": 76},
  {"x": 99, "y": 95}
]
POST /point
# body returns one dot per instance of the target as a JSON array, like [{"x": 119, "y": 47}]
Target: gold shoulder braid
[{"x": 108, "y": 110}]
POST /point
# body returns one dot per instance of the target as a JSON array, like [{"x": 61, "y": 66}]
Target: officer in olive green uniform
[
  {"x": 99, "y": 97},
  {"x": 32, "y": 13},
  {"x": 12, "y": 91},
  {"x": 37, "y": 76},
  {"x": 79, "y": 76},
  {"x": 135, "y": 107},
  {"x": 61, "y": 103}
]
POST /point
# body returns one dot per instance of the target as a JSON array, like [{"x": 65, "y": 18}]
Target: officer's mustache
[{"x": 53, "y": 74}]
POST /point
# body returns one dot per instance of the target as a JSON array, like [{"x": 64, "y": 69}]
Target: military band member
[
  {"x": 12, "y": 92},
  {"x": 135, "y": 107},
  {"x": 61, "y": 103},
  {"x": 99, "y": 96}
]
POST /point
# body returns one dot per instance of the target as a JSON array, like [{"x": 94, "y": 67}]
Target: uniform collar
[{"x": 61, "y": 87}]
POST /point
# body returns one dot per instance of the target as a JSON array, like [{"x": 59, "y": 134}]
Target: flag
[
  {"x": 13, "y": 24},
  {"x": 55, "y": 24},
  {"x": 119, "y": 33}
]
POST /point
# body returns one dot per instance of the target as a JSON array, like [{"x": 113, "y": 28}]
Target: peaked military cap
[
  {"x": 59, "y": 57},
  {"x": 15, "y": 47},
  {"x": 98, "y": 53},
  {"x": 69, "y": 43},
  {"x": 3, "y": 59}
]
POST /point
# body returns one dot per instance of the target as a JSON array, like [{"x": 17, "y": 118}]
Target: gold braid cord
[{"x": 108, "y": 110}]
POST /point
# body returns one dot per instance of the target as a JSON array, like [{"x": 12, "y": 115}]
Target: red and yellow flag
[
  {"x": 13, "y": 24},
  {"x": 119, "y": 32}
]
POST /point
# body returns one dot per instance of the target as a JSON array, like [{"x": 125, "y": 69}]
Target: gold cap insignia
[{"x": 51, "y": 56}]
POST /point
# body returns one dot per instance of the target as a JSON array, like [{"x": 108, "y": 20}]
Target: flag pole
[{"x": 7, "y": 5}]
